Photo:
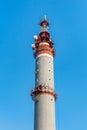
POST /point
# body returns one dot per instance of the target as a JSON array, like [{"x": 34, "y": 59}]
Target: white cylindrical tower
[{"x": 43, "y": 93}]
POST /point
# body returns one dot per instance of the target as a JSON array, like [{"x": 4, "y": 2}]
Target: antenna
[{"x": 45, "y": 17}]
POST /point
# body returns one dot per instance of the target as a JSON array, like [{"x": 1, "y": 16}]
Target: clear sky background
[{"x": 19, "y": 21}]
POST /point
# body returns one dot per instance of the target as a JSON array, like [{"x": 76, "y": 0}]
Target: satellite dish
[
  {"x": 33, "y": 46},
  {"x": 35, "y": 37}
]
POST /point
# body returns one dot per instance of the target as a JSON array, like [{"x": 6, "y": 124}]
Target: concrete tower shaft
[
  {"x": 44, "y": 94},
  {"x": 44, "y": 71}
]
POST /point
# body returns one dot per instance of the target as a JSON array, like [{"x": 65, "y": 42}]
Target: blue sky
[{"x": 18, "y": 23}]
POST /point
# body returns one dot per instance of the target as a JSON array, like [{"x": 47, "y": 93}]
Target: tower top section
[
  {"x": 44, "y": 24},
  {"x": 44, "y": 43}
]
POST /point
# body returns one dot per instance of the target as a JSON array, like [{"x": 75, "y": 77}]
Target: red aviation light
[
  {"x": 45, "y": 36},
  {"x": 44, "y": 23}
]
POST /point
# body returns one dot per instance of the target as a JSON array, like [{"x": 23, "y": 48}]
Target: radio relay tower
[{"x": 43, "y": 94}]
